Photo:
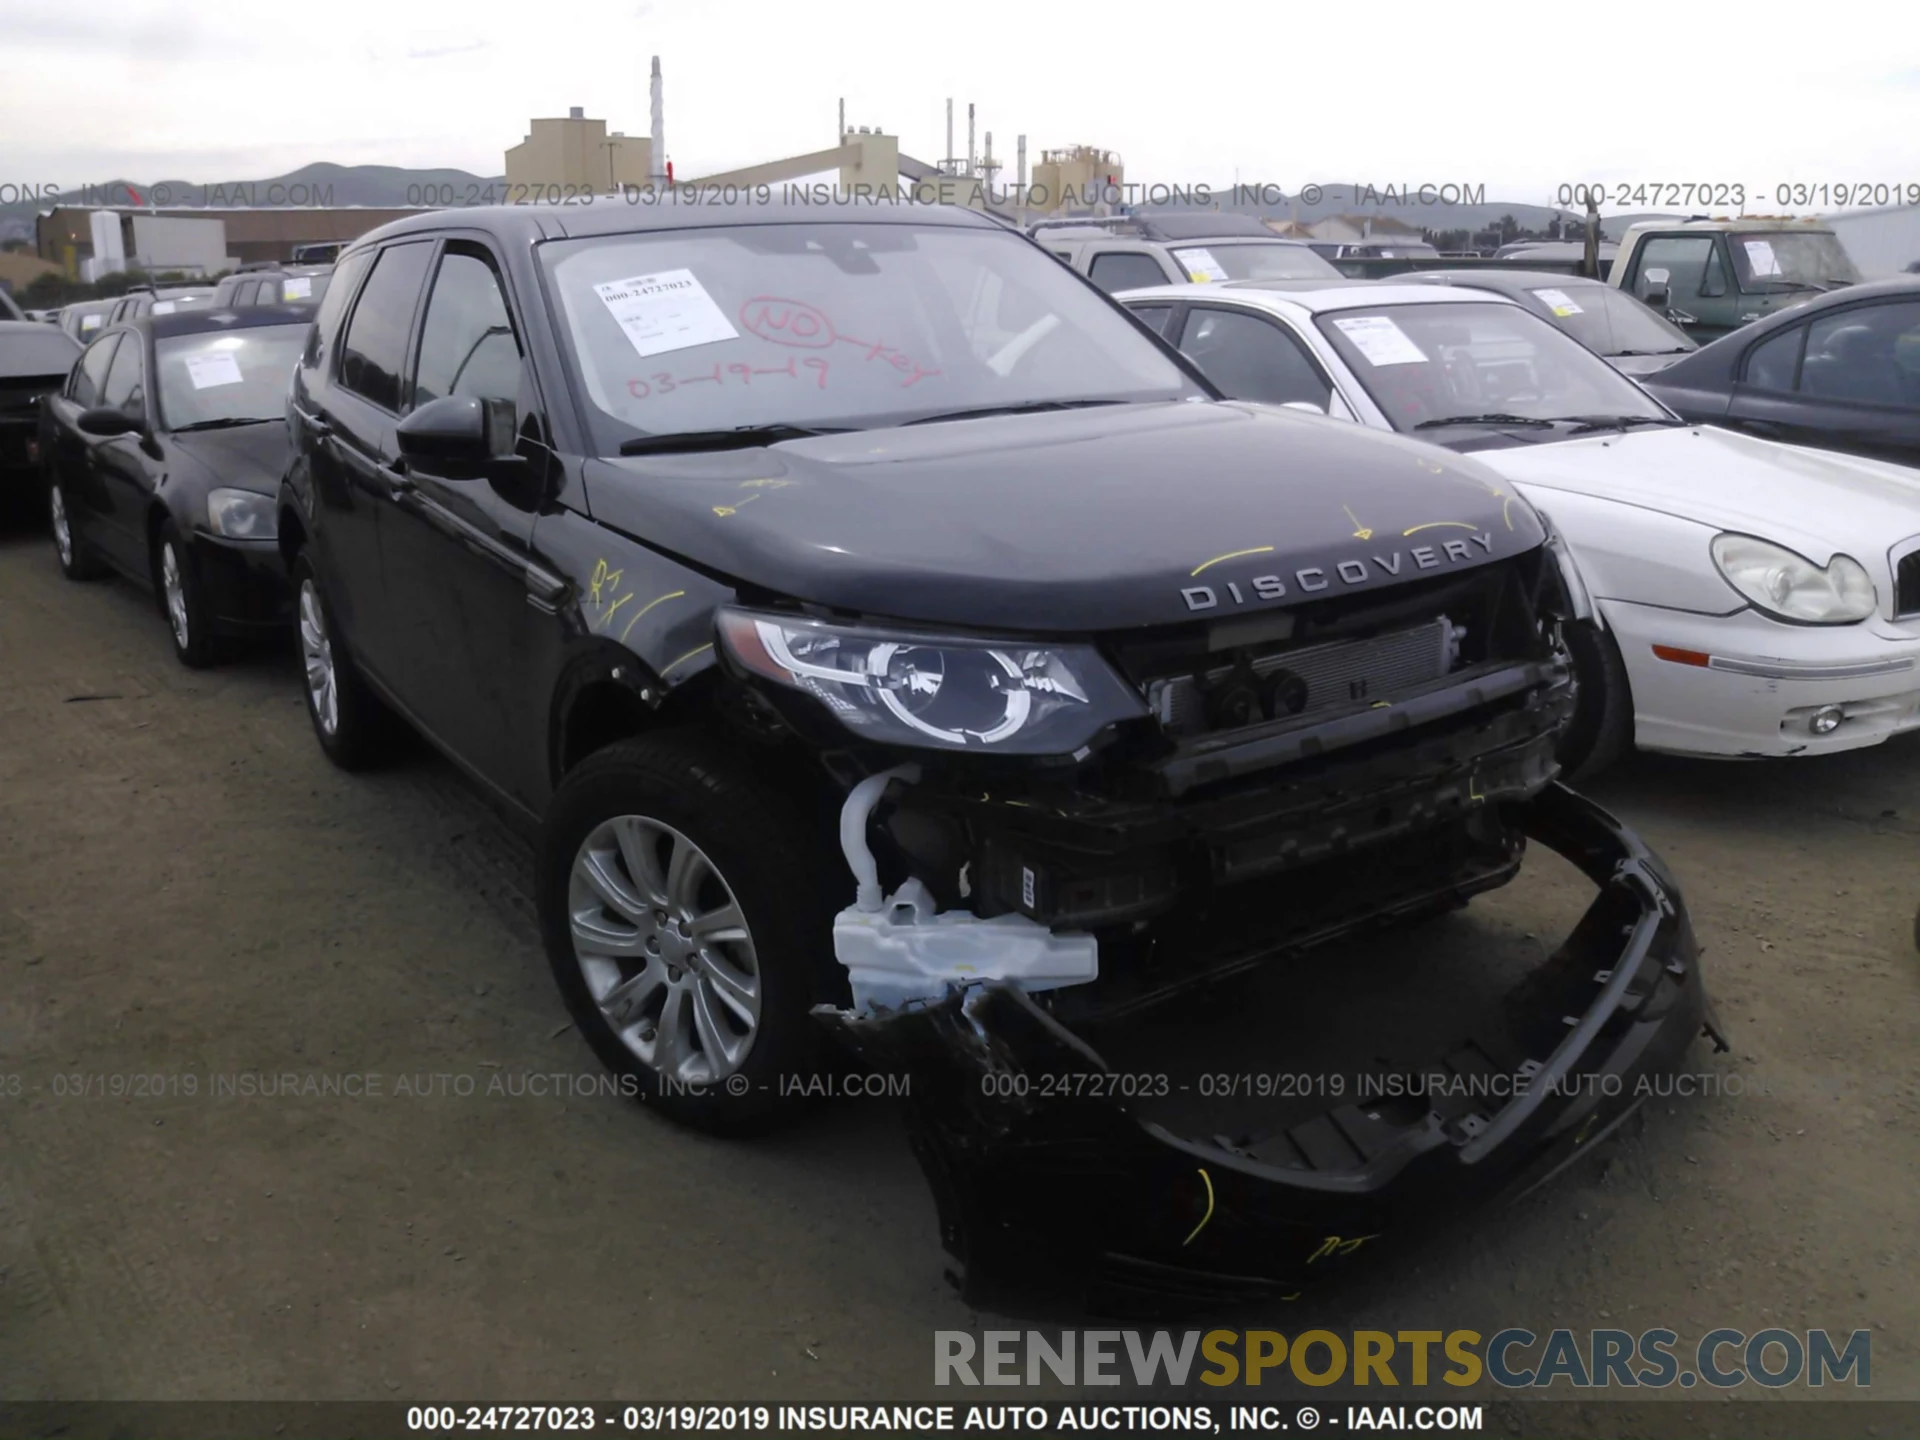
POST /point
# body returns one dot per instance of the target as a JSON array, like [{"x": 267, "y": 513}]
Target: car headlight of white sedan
[{"x": 1791, "y": 587}]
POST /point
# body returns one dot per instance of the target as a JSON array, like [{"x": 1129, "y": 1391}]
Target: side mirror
[
  {"x": 1659, "y": 295},
  {"x": 105, "y": 420},
  {"x": 449, "y": 434}
]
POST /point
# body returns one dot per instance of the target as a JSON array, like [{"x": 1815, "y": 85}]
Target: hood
[
  {"x": 247, "y": 457},
  {"x": 1813, "y": 501},
  {"x": 1647, "y": 364},
  {"x": 1073, "y": 521}
]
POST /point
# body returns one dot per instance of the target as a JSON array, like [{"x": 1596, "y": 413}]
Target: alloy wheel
[
  {"x": 62, "y": 531},
  {"x": 176, "y": 593},
  {"x": 664, "y": 949},
  {"x": 316, "y": 650}
]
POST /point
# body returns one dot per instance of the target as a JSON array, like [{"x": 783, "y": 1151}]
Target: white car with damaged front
[{"x": 1749, "y": 598}]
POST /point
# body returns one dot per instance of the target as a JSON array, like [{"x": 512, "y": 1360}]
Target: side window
[
  {"x": 1154, "y": 315},
  {"x": 1713, "y": 279},
  {"x": 1251, "y": 358},
  {"x": 1772, "y": 364},
  {"x": 467, "y": 345},
  {"x": 1685, "y": 259},
  {"x": 1125, "y": 270},
  {"x": 374, "y": 352},
  {"x": 249, "y": 293},
  {"x": 346, "y": 279},
  {"x": 125, "y": 387},
  {"x": 91, "y": 372},
  {"x": 1869, "y": 354}
]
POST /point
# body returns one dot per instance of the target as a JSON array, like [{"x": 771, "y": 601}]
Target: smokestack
[
  {"x": 842, "y": 138},
  {"x": 657, "y": 152},
  {"x": 1020, "y": 191},
  {"x": 969, "y": 137},
  {"x": 950, "y": 156}
]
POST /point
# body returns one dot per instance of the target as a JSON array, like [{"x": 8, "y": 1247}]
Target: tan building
[
  {"x": 64, "y": 234},
  {"x": 19, "y": 269},
  {"x": 577, "y": 154},
  {"x": 1077, "y": 180}
]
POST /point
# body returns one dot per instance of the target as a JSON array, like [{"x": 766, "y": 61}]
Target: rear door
[
  {"x": 117, "y": 465},
  {"x": 356, "y": 475},
  {"x": 1115, "y": 267},
  {"x": 458, "y": 546},
  {"x": 1251, "y": 357},
  {"x": 1849, "y": 379},
  {"x": 72, "y": 450}
]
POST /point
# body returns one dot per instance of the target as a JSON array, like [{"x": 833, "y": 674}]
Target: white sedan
[{"x": 1749, "y": 598}]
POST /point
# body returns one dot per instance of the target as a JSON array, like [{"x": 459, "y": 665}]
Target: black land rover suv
[{"x": 876, "y": 620}]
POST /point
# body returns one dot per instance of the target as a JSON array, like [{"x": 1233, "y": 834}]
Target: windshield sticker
[
  {"x": 1380, "y": 340},
  {"x": 1760, "y": 257},
  {"x": 670, "y": 310},
  {"x": 1558, "y": 301},
  {"x": 216, "y": 367},
  {"x": 298, "y": 287},
  {"x": 91, "y": 322},
  {"x": 1200, "y": 264},
  {"x": 163, "y": 307}
]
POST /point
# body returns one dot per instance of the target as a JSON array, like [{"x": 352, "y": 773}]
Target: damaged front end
[
  {"x": 1039, "y": 1166},
  {"x": 1259, "y": 787}
]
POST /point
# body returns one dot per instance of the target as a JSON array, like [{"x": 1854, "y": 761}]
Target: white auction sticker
[
  {"x": 297, "y": 287},
  {"x": 163, "y": 307},
  {"x": 1761, "y": 258},
  {"x": 216, "y": 367},
  {"x": 1559, "y": 302},
  {"x": 667, "y": 311},
  {"x": 1200, "y": 264},
  {"x": 1380, "y": 340}
]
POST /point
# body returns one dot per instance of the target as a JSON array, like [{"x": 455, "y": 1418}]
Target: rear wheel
[
  {"x": 1602, "y": 728},
  {"x": 688, "y": 920},
  {"x": 77, "y": 562},
  {"x": 351, "y": 723}
]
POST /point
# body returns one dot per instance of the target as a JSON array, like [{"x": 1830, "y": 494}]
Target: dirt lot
[{"x": 188, "y": 889}]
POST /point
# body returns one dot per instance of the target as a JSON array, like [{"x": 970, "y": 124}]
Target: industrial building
[
  {"x": 577, "y": 154},
  {"x": 194, "y": 241}
]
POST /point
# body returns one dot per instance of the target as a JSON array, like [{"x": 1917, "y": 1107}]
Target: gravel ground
[{"x": 188, "y": 889}]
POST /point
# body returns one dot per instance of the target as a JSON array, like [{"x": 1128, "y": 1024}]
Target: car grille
[
  {"x": 1906, "y": 585},
  {"x": 1336, "y": 674}
]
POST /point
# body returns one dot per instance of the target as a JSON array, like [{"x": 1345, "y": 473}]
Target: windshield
[
  {"x": 233, "y": 375},
  {"x": 1790, "y": 260},
  {"x": 1252, "y": 260},
  {"x": 1422, "y": 363},
  {"x": 1609, "y": 321},
  {"x": 836, "y": 325}
]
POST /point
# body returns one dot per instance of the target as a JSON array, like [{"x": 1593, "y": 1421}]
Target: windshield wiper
[
  {"x": 224, "y": 424},
  {"x": 1493, "y": 419},
  {"x": 1031, "y": 408},
  {"x": 740, "y": 438},
  {"x": 1583, "y": 424},
  {"x": 1635, "y": 354}
]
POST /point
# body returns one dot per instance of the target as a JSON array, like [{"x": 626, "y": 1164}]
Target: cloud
[{"x": 435, "y": 52}]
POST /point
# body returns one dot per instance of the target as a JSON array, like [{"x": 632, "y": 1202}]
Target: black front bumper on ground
[
  {"x": 1038, "y": 1167},
  {"x": 243, "y": 583}
]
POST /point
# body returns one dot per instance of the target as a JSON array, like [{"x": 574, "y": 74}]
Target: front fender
[{"x": 1628, "y": 552}]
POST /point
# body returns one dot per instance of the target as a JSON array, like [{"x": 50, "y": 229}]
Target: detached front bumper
[
  {"x": 1042, "y": 1161},
  {"x": 1744, "y": 685}
]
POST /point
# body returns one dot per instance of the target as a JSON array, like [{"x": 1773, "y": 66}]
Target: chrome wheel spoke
[
  {"x": 686, "y": 868},
  {"x": 719, "y": 926},
  {"x": 671, "y": 1050},
  {"x": 625, "y": 1004},
  {"x": 639, "y": 843},
  {"x": 594, "y": 934},
  {"x": 600, "y": 872},
  {"x": 739, "y": 993},
  {"x": 722, "y": 1048}
]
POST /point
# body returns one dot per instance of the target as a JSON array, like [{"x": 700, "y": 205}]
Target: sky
[{"x": 1522, "y": 100}]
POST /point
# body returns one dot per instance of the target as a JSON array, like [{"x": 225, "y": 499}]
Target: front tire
[
  {"x": 77, "y": 562},
  {"x": 1602, "y": 728},
  {"x": 177, "y": 585},
  {"x": 688, "y": 917},
  {"x": 351, "y": 723}
]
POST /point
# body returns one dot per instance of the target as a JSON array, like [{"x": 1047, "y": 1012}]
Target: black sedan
[
  {"x": 34, "y": 360},
  {"x": 167, "y": 445},
  {"x": 1611, "y": 323},
  {"x": 1841, "y": 371}
]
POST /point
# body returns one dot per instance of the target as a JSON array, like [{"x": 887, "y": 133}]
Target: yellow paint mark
[
  {"x": 688, "y": 656},
  {"x": 1439, "y": 524},
  {"x": 602, "y": 579},
  {"x": 1506, "y": 511},
  {"x": 1206, "y": 1180},
  {"x": 1334, "y": 1245},
  {"x": 1234, "y": 555},
  {"x": 1473, "y": 787},
  {"x": 1361, "y": 532},
  {"x": 724, "y": 510},
  {"x": 606, "y": 617},
  {"x": 1382, "y": 705},
  {"x": 670, "y": 595}
]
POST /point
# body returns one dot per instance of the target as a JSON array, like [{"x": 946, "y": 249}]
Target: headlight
[
  {"x": 241, "y": 515},
  {"x": 1011, "y": 697},
  {"x": 1791, "y": 587}
]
